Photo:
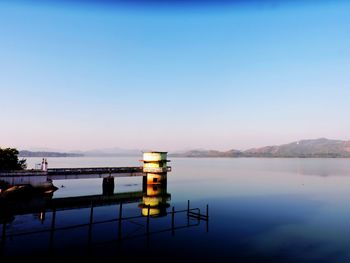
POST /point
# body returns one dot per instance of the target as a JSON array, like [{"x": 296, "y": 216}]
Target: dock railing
[{"x": 193, "y": 213}]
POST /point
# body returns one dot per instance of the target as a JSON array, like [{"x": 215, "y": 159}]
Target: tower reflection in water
[{"x": 155, "y": 199}]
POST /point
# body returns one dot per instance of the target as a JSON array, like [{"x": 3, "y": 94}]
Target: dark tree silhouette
[{"x": 9, "y": 160}]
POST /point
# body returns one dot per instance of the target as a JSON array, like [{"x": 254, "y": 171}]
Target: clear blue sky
[{"x": 175, "y": 76}]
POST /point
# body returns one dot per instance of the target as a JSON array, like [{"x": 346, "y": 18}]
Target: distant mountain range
[
  {"x": 300, "y": 149},
  {"x": 108, "y": 152},
  {"x": 47, "y": 154}
]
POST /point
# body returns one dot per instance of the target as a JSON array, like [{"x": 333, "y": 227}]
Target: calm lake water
[{"x": 260, "y": 210}]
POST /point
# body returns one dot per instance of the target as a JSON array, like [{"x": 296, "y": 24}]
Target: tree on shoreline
[{"x": 9, "y": 160}]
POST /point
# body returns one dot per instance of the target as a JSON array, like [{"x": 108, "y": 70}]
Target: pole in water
[
  {"x": 90, "y": 224},
  {"x": 207, "y": 218},
  {"x": 91, "y": 212},
  {"x": 120, "y": 221},
  {"x": 173, "y": 221},
  {"x": 147, "y": 228},
  {"x": 108, "y": 185},
  {"x": 148, "y": 215},
  {"x": 188, "y": 212},
  {"x": 52, "y": 230}
]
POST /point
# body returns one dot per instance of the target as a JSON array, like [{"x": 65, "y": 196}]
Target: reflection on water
[
  {"x": 40, "y": 221},
  {"x": 155, "y": 199},
  {"x": 261, "y": 210}
]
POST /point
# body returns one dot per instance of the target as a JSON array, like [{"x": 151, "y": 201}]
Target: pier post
[
  {"x": 147, "y": 228},
  {"x": 52, "y": 230},
  {"x": 108, "y": 185},
  {"x": 148, "y": 216},
  {"x": 173, "y": 221},
  {"x": 90, "y": 223},
  {"x": 207, "y": 218},
  {"x": 120, "y": 221},
  {"x": 188, "y": 212}
]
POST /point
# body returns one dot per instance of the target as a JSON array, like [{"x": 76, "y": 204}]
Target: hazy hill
[
  {"x": 105, "y": 152},
  {"x": 303, "y": 149},
  {"x": 207, "y": 153},
  {"x": 47, "y": 154},
  {"x": 110, "y": 152}
]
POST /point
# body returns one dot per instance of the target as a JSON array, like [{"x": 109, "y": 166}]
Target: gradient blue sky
[{"x": 172, "y": 77}]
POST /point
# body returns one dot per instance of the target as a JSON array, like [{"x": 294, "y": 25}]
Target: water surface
[{"x": 260, "y": 210}]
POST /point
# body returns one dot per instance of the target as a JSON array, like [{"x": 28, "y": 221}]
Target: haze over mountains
[
  {"x": 303, "y": 149},
  {"x": 115, "y": 151},
  {"x": 91, "y": 153},
  {"x": 47, "y": 154}
]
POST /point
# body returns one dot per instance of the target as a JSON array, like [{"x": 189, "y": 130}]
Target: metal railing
[{"x": 193, "y": 213}]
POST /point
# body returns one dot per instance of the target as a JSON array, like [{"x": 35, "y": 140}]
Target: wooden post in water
[
  {"x": 188, "y": 212},
  {"x": 53, "y": 223},
  {"x": 91, "y": 212},
  {"x": 173, "y": 221},
  {"x": 147, "y": 228},
  {"x": 120, "y": 221},
  {"x": 148, "y": 216},
  {"x": 207, "y": 218},
  {"x": 90, "y": 223},
  {"x": 108, "y": 185}
]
